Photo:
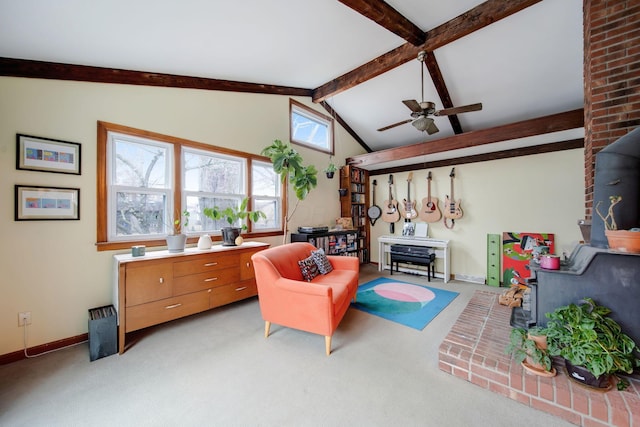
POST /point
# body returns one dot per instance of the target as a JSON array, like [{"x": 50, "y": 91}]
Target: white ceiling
[{"x": 524, "y": 66}]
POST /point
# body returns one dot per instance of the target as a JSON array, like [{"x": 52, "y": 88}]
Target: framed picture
[
  {"x": 47, "y": 155},
  {"x": 46, "y": 203}
]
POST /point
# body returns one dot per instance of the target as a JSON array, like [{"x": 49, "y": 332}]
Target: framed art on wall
[
  {"x": 46, "y": 203},
  {"x": 47, "y": 155}
]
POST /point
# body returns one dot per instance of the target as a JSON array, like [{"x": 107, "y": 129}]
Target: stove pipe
[{"x": 617, "y": 174}]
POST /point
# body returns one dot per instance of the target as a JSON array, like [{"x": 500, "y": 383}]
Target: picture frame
[
  {"x": 39, "y": 203},
  {"x": 47, "y": 155}
]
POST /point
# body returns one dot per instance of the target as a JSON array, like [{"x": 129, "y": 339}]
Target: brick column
[{"x": 611, "y": 78}]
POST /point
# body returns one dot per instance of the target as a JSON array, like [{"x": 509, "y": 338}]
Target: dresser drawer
[
  {"x": 148, "y": 282},
  {"x": 201, "y": 264},
  {"x": 233, "y": 292},
  {"x": 153, "y": 313},
  {"x": 207, "y": 280}
]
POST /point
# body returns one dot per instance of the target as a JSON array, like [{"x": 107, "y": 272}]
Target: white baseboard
[{"x": 468, "y": 278}]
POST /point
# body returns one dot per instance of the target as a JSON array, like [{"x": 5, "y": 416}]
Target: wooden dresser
[{"x": 162, "y": 286}]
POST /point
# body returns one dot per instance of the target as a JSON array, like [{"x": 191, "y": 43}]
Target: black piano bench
[{"x": 428, "y": 260}]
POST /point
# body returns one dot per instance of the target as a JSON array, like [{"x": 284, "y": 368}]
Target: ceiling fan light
[{"x": 422, "y": 124}]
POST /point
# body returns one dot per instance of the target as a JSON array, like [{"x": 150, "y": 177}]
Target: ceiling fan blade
[
  {"x": 394, "y": 125},
  {"x": 413, "y": 105},
  {"x": 458, "y": 110},
  {"x": 432, "y": 129}
]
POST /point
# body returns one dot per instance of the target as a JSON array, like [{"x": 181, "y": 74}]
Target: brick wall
[{"x": 611, "y": 78}]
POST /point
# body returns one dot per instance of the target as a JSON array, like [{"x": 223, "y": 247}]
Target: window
[
  {"x": 310, "y": 128},
  {"x": 144, "y": 179}
]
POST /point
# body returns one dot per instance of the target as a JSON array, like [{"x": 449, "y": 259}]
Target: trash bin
[{"x": 103, "y": 332}]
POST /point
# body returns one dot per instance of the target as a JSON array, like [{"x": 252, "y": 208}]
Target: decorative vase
[
  {"x": 624, "y": 240},
  {"x": 204, "y": 242},
  {"x": 229, "y": 235},
  {"x": 176, "y": 242}
]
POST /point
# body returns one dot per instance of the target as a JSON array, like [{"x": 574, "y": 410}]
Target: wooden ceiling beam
[
  {"x": 58, "y": 71},
  {"x": 551, "y": 147},
  {"x": 470, "y": 21},
  {"x": 541, "y": 125},
  {"x": 438, "y": 81},
  {"x": 389, "y": 18}
]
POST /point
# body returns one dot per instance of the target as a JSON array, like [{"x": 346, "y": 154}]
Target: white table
[{"x": 441, "y": 249}]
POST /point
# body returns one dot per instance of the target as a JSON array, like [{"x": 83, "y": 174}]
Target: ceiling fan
[{"x": 420, "y": 111}]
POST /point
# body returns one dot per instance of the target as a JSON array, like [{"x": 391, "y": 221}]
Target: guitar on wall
[
  {"x": 408, "y": 206},
  {"x": 452, "y": 208},
  {"x": 390, "y": 211},
  {"x": 430, "y": 212}
]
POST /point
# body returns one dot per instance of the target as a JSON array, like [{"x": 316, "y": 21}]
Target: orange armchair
[{"x": 288, "y": 300}]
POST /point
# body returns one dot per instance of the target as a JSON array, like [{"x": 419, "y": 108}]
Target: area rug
[{"x": 401, "y": 302}]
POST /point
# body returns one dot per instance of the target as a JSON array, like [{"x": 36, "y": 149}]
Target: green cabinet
[{"x": 493, "y": 259}]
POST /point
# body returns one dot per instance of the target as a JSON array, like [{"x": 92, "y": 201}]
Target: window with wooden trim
[
  {"x": 147, "y": 180},
  {"x": 310, "y": 128}
]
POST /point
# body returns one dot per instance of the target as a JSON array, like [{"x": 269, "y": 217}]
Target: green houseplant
[
  {"x": 288, "y": 164},
  {"x": 530, "y": 349},
  {"x": 585, "y": 336},
  {"x": 234, "y": 215},
  {"x": 330, "y": 170},
  {"x": 176, "y": 240}
]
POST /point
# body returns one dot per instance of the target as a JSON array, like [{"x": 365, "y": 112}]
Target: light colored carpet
[{"x": 216, "y": 368}]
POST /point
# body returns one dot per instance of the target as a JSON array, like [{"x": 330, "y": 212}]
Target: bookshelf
[
  {"x": 343, "y": 242},
  {"x": 354, "y": 204}
]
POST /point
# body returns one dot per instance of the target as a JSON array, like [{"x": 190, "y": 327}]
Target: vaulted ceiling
[{"x": 522, "y": 59}]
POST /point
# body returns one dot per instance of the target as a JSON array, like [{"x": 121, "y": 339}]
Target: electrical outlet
[{"x": 24, "y": 318}]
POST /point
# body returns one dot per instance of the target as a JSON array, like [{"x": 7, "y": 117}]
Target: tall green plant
[{"x": 288, "y": 164}]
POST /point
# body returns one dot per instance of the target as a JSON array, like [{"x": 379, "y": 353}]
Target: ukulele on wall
[
  {"x": 409, "y": 207},
  {"x": 430, "y": 212},
  {"x": 452, "y": 208},
  {"x": 390, "y": 211}
]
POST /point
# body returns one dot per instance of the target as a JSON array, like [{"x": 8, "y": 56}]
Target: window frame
[
  {"x": 301, "y": 109},
  {"x": 176, "y": 199}
]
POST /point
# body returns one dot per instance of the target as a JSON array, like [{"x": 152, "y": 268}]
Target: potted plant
[
  {"x": 592, "y": 344},
  {"x": 176, "y": 240},
  {"x": 619, "y": 240},
  {"x": 530, "y": 349},
  {"x": 330, "y": 170},
  {"x": 287, "y": 163},
  {"x": 234, "y": 215}
]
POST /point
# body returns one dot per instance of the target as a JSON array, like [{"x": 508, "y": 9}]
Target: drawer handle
[
  {"x": 173, "y": 306},
  {"x": 211, "y": 279},
  {"x": 241, "y": 289},
  {"x": 210, "y": 264},
  {"x": 162, "y": 280}
]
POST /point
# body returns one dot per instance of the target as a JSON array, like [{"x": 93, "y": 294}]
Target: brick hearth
[{"x": 474, "y": 351}]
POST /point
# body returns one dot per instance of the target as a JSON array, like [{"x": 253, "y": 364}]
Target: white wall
[
  {"x": 52, "y": 268},
  {"x": 541, "y": 193}
]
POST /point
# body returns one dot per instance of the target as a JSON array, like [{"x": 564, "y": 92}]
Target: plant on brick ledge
[
  {"x": 586, "y": 337},
  {"x": 526, "y": 348}
]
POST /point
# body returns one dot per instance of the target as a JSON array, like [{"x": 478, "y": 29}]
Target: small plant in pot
[
  {"x": 530, "y": 349},
  {"x": 619, "y": 240},
  {"x": 234, "y": 215},
  {"x": 592, "y": 344},
  {"x": 330, "y": 170},
  {"x": 176, "y": 240}
]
